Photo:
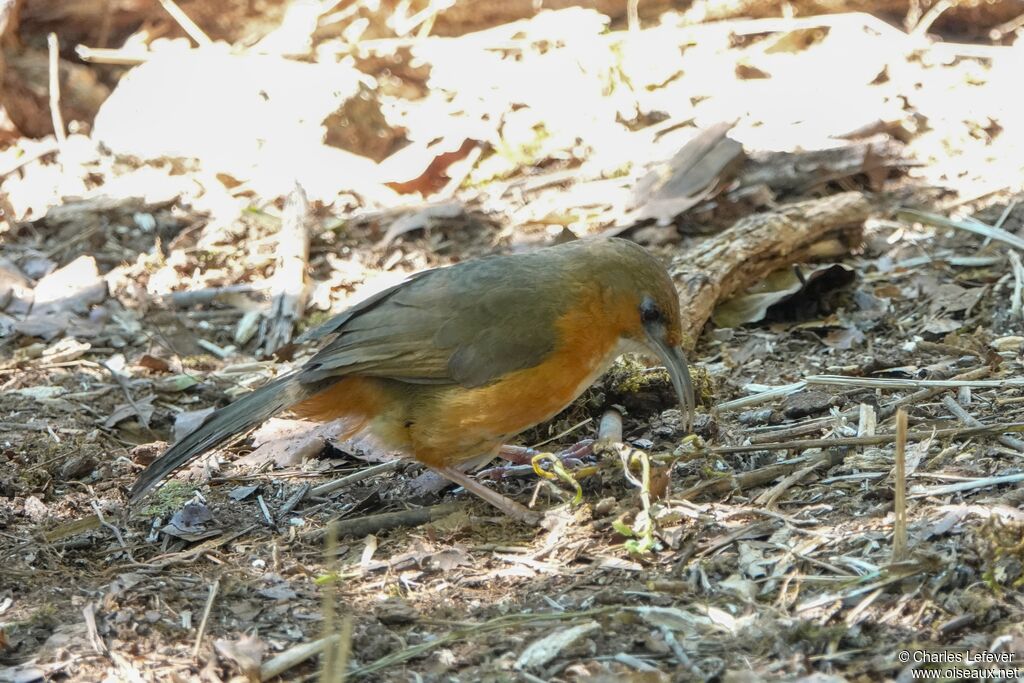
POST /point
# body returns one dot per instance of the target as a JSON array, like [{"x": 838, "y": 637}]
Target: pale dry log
[
  {"x": 288, "y": 286},
  {"x": 758, "y": 245}
]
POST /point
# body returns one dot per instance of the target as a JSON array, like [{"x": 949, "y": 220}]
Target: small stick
[
  {"x": 952, "y": 406},
  {"x": 127, "y": 394},
  {"x": 187, "y": 25},
  {"x": 1018, "y": 283},
  {"x": 214, "y": 587},
  {"x": 805, "y": 444},
  {"x": 899, "y": 537},
  {"x": 324, "y": 489},
  {"x": 894, "y": 383},
  {"x": 105, "y": 55},
  {"x": 41, "y": 150},
  {"x": 968, "y": 485},
  {"x": 113, "y": 529},
  {"x": 633, "y": 16},
  {"x": 867, "y": 422},
  {"x": 289, "y": 658},
  {"x": 329, "y": 603},
  {"x": 885, "y": 412},
  {"x": 193, "y": 297},
  {"x": 55, "y": 116},
  {"x": 288, "y": 284},
  {"x": 371, "y": 524}
]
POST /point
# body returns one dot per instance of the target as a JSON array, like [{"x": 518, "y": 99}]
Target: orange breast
[{"x": 462, "y": 423}]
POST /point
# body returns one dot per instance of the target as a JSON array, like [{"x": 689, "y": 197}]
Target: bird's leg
[{"x": 503, "y": 503}]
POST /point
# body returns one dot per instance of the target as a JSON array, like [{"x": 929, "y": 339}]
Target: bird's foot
[{"x": 521, "y": 459}]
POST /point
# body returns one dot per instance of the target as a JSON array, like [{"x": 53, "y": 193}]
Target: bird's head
[{"x": 651, "y": 314}]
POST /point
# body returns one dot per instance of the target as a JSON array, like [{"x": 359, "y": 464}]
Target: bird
[{"x": 453, "y": 362}]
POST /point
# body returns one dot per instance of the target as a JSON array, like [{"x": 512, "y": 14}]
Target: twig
[
  {"x": 294, "y": 656},
  {"x": 187, "y": 25},
  {"x": 930, "y": 16},
  {"x": 758, "y": 477},
  {"x": 214, "y": 587},
  {"x": 329, "y": 604},
  {"x": 1018, "y": 283},
  {"x": 899, "y": 536},
  {"x": 113, "y": 529},
  {"x": 288, "y": 285},
  {"x": 564, "y": 432},
  {"x": 89, "y": 612},
  {"x": 41, "y": 150},
  {"x": 293, "y": 501},
  {"x": 474, "y": 631},
  {"x": 633, "y": 15},
  {"x": 968, "y": 224},
  {"x": 805, "y": 444},
  {"x": 968, "y": 485},
  {"x": 952, "y": 406},
  {"x": 54, "y": 63},
  {"x": 143, "y": 419},
  {"x": 894, "y": 383},
  {"x": 366, "y": 473},
  {"x": 884, "y": 413},
  {"x": 759, "y": 397},
  {"x": 194, "y": 297},
  {"x": 768, "y": 497},
  {"x": 371, "y": 524},
  {"x": 116, "y": 56}
]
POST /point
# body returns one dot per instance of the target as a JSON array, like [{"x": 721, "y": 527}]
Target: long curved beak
[{"x": 679, "y": 372}]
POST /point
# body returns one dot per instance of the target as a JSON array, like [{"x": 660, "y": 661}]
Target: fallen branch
[{"x": 758, "y": 245}]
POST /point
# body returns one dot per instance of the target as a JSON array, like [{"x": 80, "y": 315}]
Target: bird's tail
[{"x": 240, "y": 416}]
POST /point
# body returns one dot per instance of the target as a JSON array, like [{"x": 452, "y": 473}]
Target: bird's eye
[{"x": 649, "y": 312}]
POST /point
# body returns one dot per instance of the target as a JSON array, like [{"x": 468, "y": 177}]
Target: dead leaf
[
  {"x": 798, "y": 293},
  {"x": 941, "y": 326},
  {"x": 153, "y": 363},
  {"x": 61, "y": 296},
  {"x": 540, "y": 652},
  {"x": 953, "y": 298},
  {"x": 421, "y": 218},
  {"x": 188, "y": 421},
  {"x": 423, "y": 169},
  {"x": 140, "y": 408},
  {"x": 844, "y": 338},
  {"x": 448, "y": 559},
  {"x": 287, "y": 443},
  {"x": 246, "y": 652},
  {"x": 16, "y": 293},
  {"x": 191, "y": 523},
  {"x": 696, "y": 172}
]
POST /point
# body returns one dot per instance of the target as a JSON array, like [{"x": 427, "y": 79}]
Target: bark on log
[{"x": 757, "y": 245}]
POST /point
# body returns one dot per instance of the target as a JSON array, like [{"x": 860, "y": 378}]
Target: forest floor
[{"x": 142, "y": 254}]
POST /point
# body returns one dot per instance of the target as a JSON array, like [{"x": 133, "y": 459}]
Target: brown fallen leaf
[
  {"x": 246, "y": 652},
  {"x": 140, "y": 408}
]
